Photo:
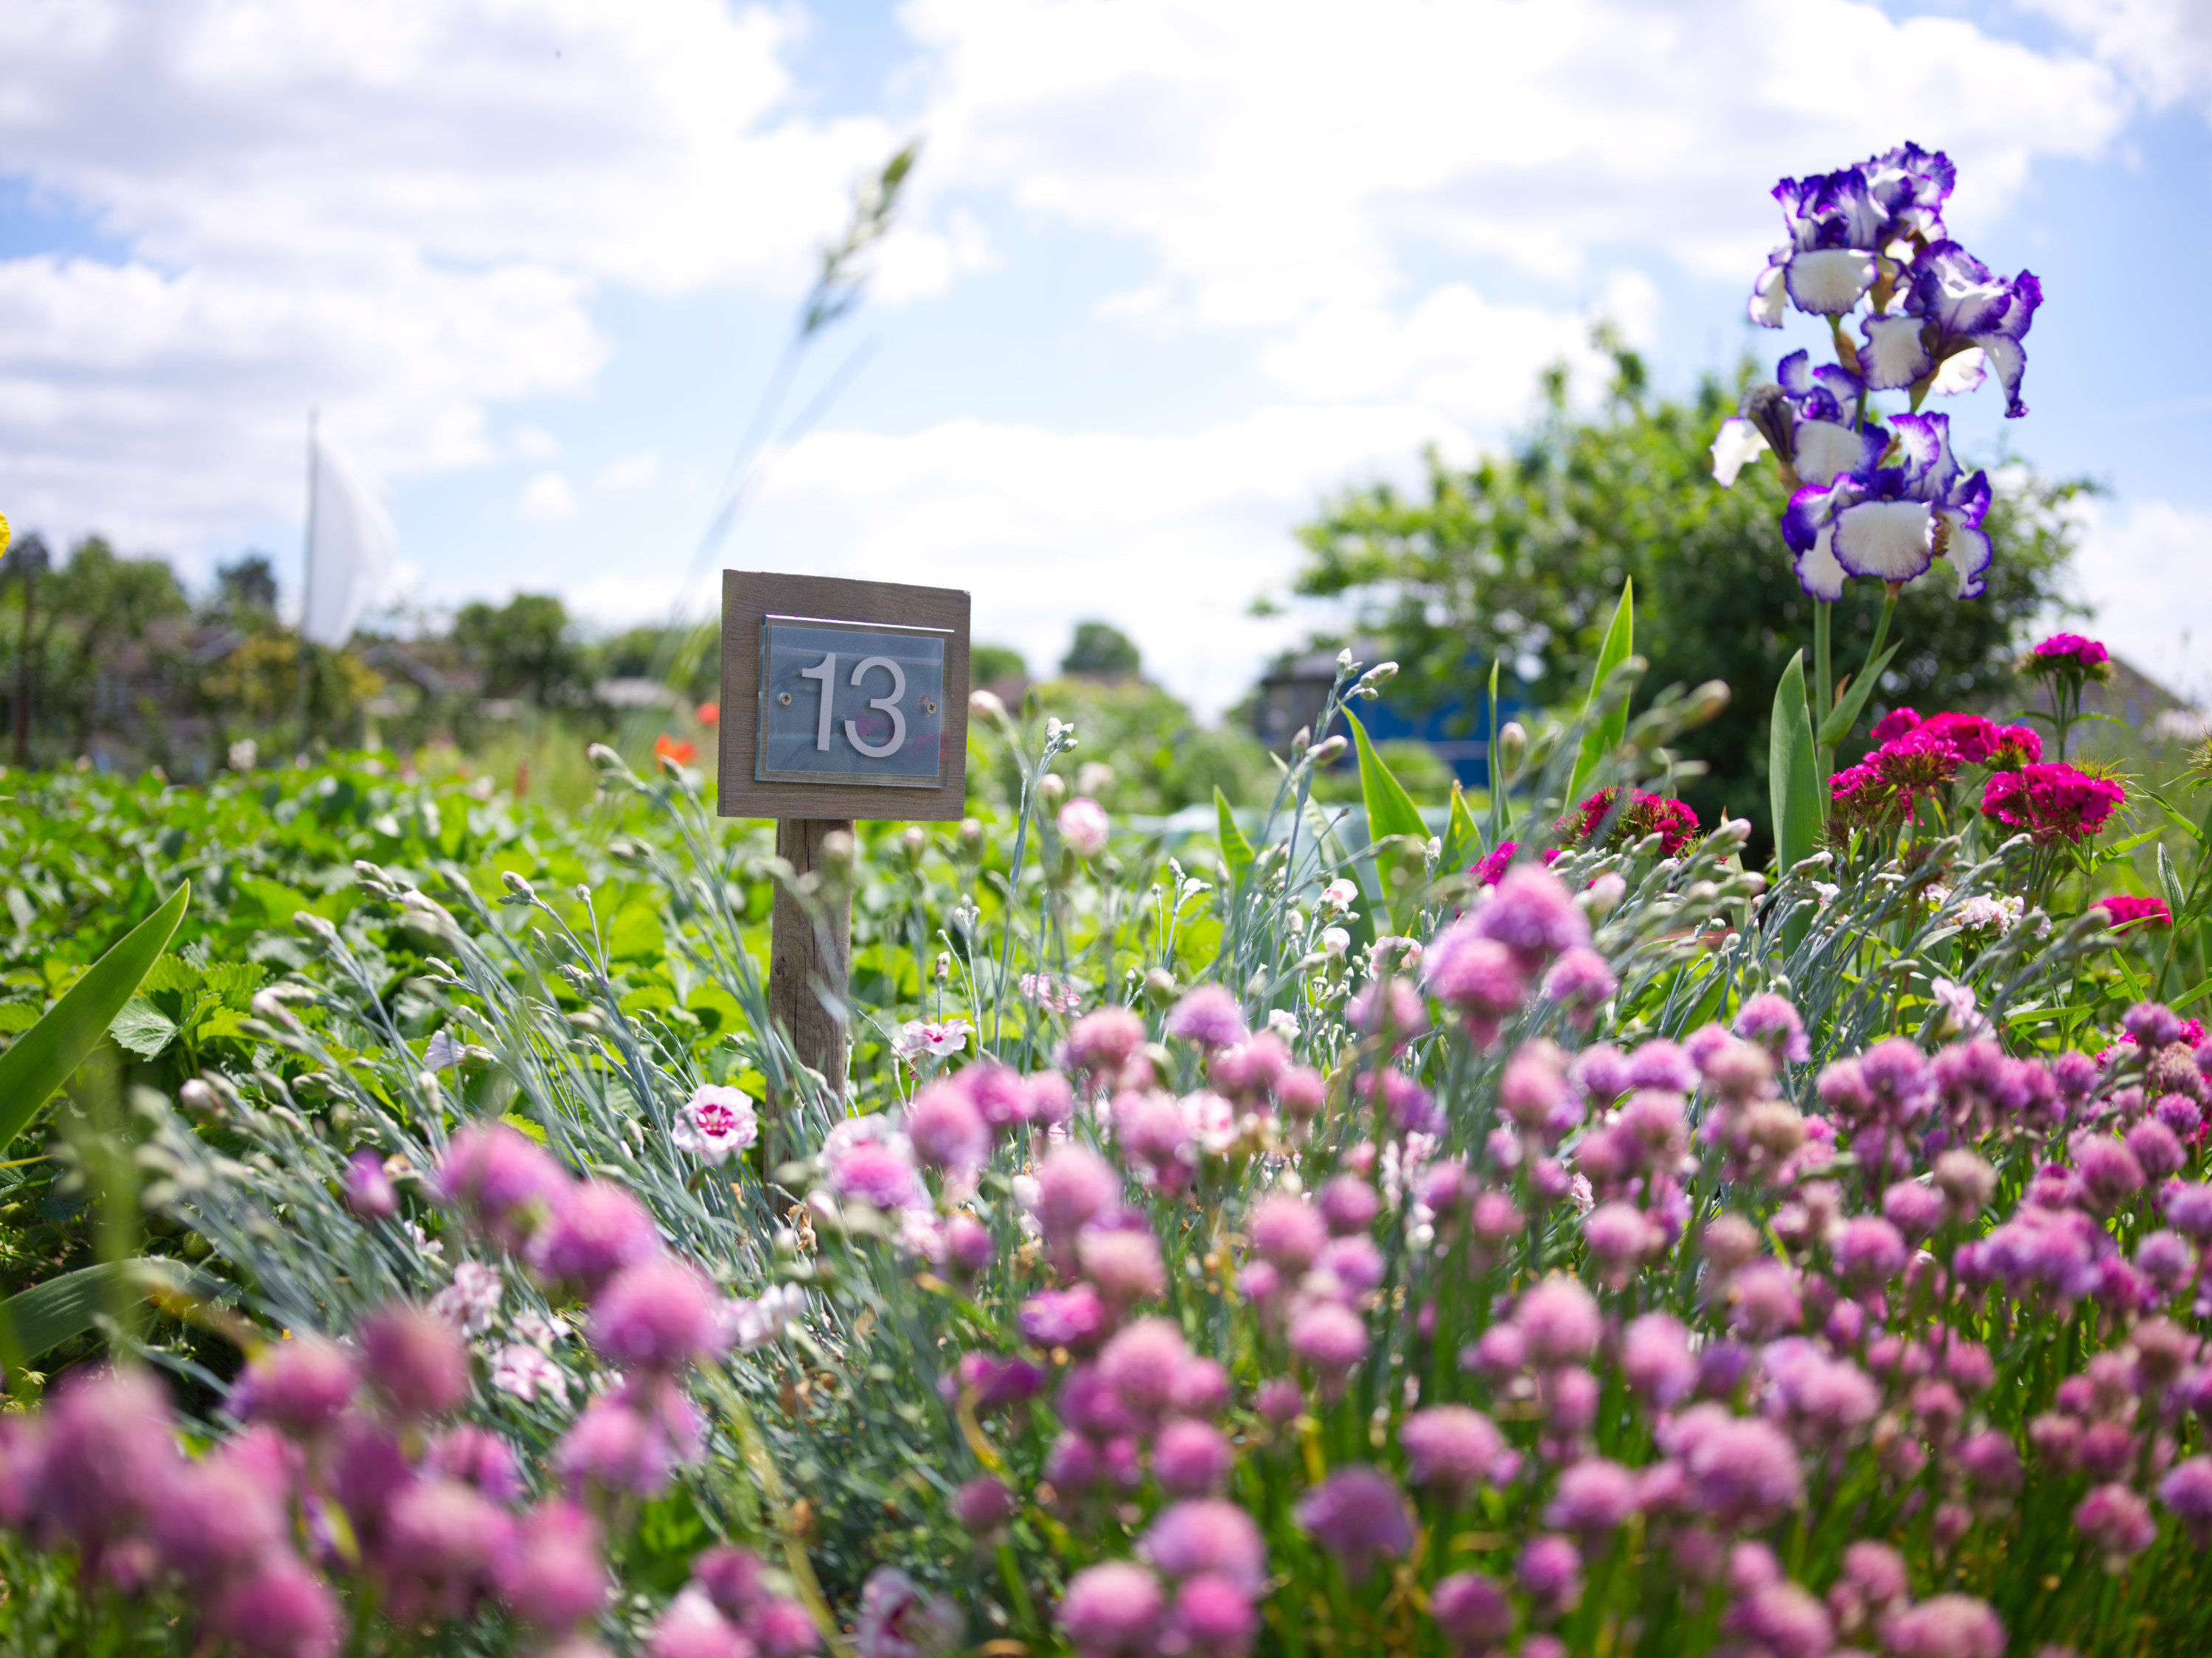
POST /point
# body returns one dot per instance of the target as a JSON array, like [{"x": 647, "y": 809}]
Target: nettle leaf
[{"x": 143, "y": 1029}]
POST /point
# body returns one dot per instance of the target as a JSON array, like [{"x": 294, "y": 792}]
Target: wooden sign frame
[{"x": 749, "y": 598}]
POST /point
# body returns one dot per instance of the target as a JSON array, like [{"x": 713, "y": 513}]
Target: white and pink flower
[{"x": 716, "y": 1123}]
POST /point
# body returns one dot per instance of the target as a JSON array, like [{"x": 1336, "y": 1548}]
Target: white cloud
[
  {"x": 398, "y": 213},
  {"x": 534, "y": 443},
  {"x": 631, "y": 471},
  {"x": 546, "y": 499},
  {"x": 1169, "y": 537},
  {"x": 2163, "y": 46},
  {"x": 2141, "y": 566},
  {"x": 1278, "y": 160}
]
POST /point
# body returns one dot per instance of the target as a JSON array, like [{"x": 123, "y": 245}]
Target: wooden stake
[{"x": 799, "y": 973}]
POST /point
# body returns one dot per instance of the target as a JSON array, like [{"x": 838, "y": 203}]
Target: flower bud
[
  {"x": 1705, "y": 702},
  {"x": 1512, "y": 745},
  {"x": 1052, "y": 790},
  {"x": 1328, "y": 751},
  {"x": 986, "y": 704}
]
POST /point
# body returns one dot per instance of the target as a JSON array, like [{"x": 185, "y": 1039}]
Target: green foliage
[
  {"x": 1161, "y": 757},
  {"x": 1793, "y": 775},
  {"x": 1518, "y": 558},
  {"x": 1101, "y": 648},
  {"x": 1604, "y": 734},
  {"x": 991, "y": 664},
  {"x": 524, "y": 649}
]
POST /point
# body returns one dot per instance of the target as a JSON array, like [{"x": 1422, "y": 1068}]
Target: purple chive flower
[
  {"x": 596, "y": 1230},
  {"x": 1213, "y": 1619},
  {"x": 1191, "y": 1459},
  {"x": 948, "y": 1132},
  {"x": 1349, "y": 1205},
  {"x": 1359, "y": 1516},
  {"x": 2109, "y": 1172},
  {"x": 300, "y": 1386},
  {"x": 1765, "y": 1300},
  {"x": 969, "y": 1245},
  {"x": 875, "y": 1172},
  {"x": 1595, "y": 1496},
  {"x": 1075, "y": 1186},
  {"x": 1476, "y": 975},
  {"x": 1783, "y": 1618},
  {"x": 442, "y": 1540},
  {"x": 414, "y": 1360},
  {"x": 2165, "y": 1259},
  {"x": 1532, "y": 914},
  {"x": 2187, "y": 1206},
  {"x": 1945, "y": 1626},
  {"x": 282, "y": 1611},
  {"x": 1868, "y": 1252},
  {"x": 1112, "y": 1610},
  {"x": 1209, "y": 1016},
  {"x": 1741, "y": 1471},
  {"x": 2152, "y": 1024},
  {"x": 1331, "y": 1339},
  {"x": 1620, "y": 1235},
  {"x": 1287, "y": 1231},
  {"x": 1472, "y": 1610},
  {"x": 1772, "y": 1022},
  {"x": 1559, "y": 1321},
  {"x": 1279, "y": 1400},
  {"x": 1100, "y": 1043},
  {"x": 1550, "y": 1569},
  {"x": 1661, "y": 1066},
  {"x": 1208, "y": 1536},
  {"x": 1914, "y": 1209},
  {"x": 2157, "y": 1152},
  {"x": 784, "y": 1629},
  {"x": 1124, "y": 1265},
  {"x": 2114, "y": 1521},
  {"x": 984, "y": 1504},
  {"x": 550, "y": 1573},
  {"x": 1449, "y": 1450},
  {"x": 2187, "y": 1490},
  {"x": 1143, "y": 1364},
  {"x": 216, "y": 1518},
  {"x": 1063, "y": 1318},
  {"x": 616, "y": 1448},
  {"x": 1580, "y": 982},
  {"x": 1656, "y": 1358},
  {"x": 475, "y": 1456},
  {"x": 501, "y": 1178},
  {"x": 692, "y": 1628},
  {"x": 368, "y": 1190},
  {"x": 660, "y": 1314},
  {"x": 1002, "y": 1096}
]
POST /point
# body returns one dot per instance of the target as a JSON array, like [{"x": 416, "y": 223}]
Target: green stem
[{"x": 1823, "y": 686}]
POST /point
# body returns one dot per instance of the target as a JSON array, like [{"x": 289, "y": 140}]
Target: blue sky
[{"x": 1173, "y": 271}]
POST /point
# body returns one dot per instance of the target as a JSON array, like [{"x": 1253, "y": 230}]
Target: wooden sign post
[{"x": 842, "y": 700}]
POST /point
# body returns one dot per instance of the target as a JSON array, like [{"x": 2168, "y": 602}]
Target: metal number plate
[{"x": 851, "y": 702}]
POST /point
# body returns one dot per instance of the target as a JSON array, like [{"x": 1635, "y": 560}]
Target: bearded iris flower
[
  {"x": 1806, "y": 421},
  {"x": 1959, "y": 319},
  {"x": 1892, "y": 522}
]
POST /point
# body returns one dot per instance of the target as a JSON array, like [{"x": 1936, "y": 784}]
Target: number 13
[{"x": 826, "y": 671}]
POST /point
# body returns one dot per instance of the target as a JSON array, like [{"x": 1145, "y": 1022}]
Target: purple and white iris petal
[
  {"x": 1829, "y": 282},
  {"x": 1895, "y": 355},
  {"x": 1738, "y": 442},
  {"x": 1924, "y": 443},
  {"x": 1891, "y": 540},
  {"x": 1962, "y": 373},
  {"x": 1957, "y": 291},
  {"x": 2009, "y": 359},
  {"x": 1839, "y": 382},
  {"x": 1827, "y": 449},
  {"x": 1966, "y": 547},
  {"x": 1769, "y": 300},
  {"x": 1794, "y": 374},
  {"x": 1817, "y": 573}
]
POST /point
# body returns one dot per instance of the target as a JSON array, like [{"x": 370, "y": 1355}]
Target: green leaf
[
  {"x": 1390, "y": 811},
  {"x": 143, "y": 1027},
  {"x": 1601, "y": 739},
  {"x": 1846, "y": 714},
  {"x": 45, "y": 1315},
  {"x": 2176, "y": 900},
  {"x": 45, "y": 1056},
  {"x": 1793, "y": 785},
  {"x": 1235, "y": 850},
  {"x": 1463, "y": 840}
]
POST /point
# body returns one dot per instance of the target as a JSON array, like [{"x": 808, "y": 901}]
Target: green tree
[
  {"x": 1101, "y": 649},
  {"x": 109, "y": 649},
  {"x": 1521, "y": 558},
  {"x": 523, "y": 648}
]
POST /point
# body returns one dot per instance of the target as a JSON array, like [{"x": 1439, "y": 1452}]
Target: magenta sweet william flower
[
  {"x": 1646, "y": 813},
  {"x": 2069, "y": 654},
  {"x": 2130, "y": 914},
  {"x": 1359, "y": 1516},
  {"x": 2052, "y": 801}
]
